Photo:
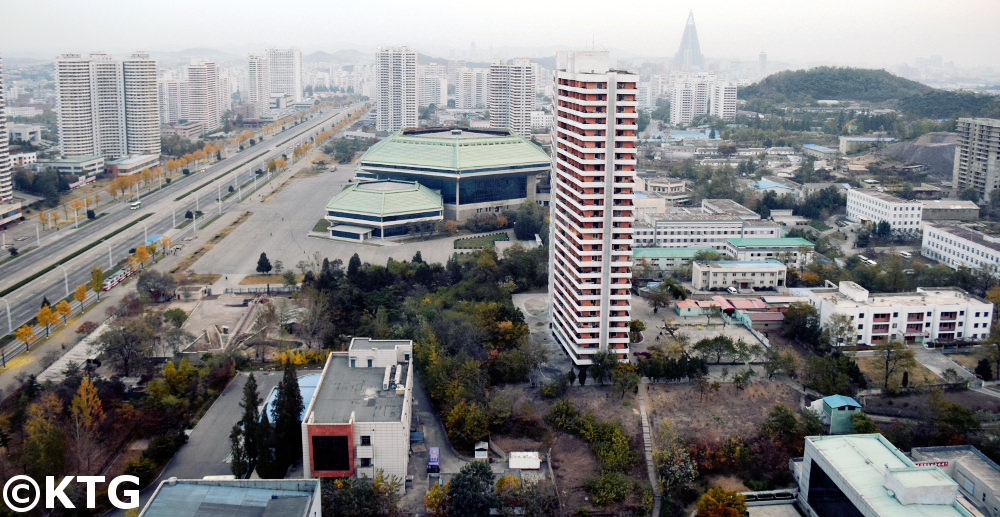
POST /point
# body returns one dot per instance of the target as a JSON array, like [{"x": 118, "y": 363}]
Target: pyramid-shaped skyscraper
[{"x": 689, "y": 54}]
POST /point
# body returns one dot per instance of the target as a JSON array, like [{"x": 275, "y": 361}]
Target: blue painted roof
[
  {"x": 820, "y": 148},
  {"x": 836, "y": 401},
  {"x": 307, "y": 387}
]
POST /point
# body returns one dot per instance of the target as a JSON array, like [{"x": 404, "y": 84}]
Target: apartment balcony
[
  {"x": 881, "y": 319},
  {"x": 919, "y": 317},
  {"x": 947, "y": 327}
]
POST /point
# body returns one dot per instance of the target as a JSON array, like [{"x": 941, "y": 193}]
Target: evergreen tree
[
  {"x": 263, "y": 264},
  {"x": 250, "y": 421},
  {"x": 240, "y": 465},
  {"x": 286, "y": 413},
  {"x": 268, "y": 466},
  {"x": 353, "y": 267}
]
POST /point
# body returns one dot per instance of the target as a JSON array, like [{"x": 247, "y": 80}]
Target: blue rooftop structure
[
  {"x": 766, "y": 184},
  {"x": 307, "y": 388},
  {"x": 838, "y": 401},
  {"x": 235, "y": 498},
  {"x": 818, "y": 148}
]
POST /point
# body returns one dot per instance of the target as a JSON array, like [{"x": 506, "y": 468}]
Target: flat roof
[
  {"x": 737, "y": 264},
  {"x": 949, "y": 204},
  {"x": 307, "y": 388},
  {"x": 347, "y": 390},
  {"x": 883, "y": 196},
  {"x": 770, "y": 242},
  {"x": 864, "y": 460},
  {"x": 386, "y": 197},
  {"x": 868, "y": 138},
  {"x": 967, "y": 234},
  {"x": 727, "y": 206},
  {"x": 469, "y": 149},
  {"x": 968, "y": 456},
  {"x": 667, "y": 252},
  {"x": 820, "y": 148},
  {"x": 924, "y": 296},
  {"x": 73, "y": 159},
  {"x": 132, "y": 160},
  {"x": 232, "y": 498}
]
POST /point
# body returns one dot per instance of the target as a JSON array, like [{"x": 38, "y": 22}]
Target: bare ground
[{"x": 727, "y": 412}]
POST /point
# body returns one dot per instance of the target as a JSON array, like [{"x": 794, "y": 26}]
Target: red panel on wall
[{"x": 331, "y": 430}]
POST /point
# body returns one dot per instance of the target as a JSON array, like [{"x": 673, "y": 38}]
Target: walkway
[{"x": 647, "y": 448}]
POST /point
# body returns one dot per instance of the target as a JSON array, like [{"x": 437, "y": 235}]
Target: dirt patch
[
  {"x": 189, "y": 260},
  {"x": 726, "y": 413},
  {"x": 572, "y": 464},
  {"x": 915, "y": 406},
  {"x": 730, "y": 483},
  {"x": 971, "y": 359},
  {"x": 872, "y": 368},
  {"x": 196, "y": 278}
]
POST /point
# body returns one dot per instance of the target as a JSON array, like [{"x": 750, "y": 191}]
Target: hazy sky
[{"x": 859, "y": 32}]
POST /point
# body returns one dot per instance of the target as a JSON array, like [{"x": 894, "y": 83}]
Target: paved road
[{"x": 164, "y": 212}]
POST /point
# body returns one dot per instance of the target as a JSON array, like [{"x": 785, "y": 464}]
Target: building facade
[
  {"x": 378, "y": 209},
  {"x": 709, "y": 225},
  {"x": 723, "y": 102},
  {"x": 10, "y": 210},
  {"x": 957, "y": 246},
  {"x": 258, "y": 85},
  {"x": 285, "y": 72},
  {"x": 472, "y": 88},
  {"x": 690, "y": 95},
  {"x": 174, "y": 101},
  {"x": 793, "y": 251},
  {"x": 203, "y": 95},
  {"x": 977, "y": 156},
  {"x": 929, "y": 314},
  {"x": 512, "y": 95},
  {"x": 949, "y": 210},
  {"x": 433, "y": 91},
  {"x": 395, "y": 88},
  {"x": 142, "y": 120},
  {"x": 591, "y": 211},
  {"x": 753, "y": 274},
  {"x": 358, "y": 422},
  {"x": 872, "y": 207}
]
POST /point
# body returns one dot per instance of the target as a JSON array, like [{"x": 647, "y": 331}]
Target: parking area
[{"x": 535, "y": 307}]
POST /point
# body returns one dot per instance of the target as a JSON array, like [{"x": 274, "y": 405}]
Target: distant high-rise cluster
[
  {"x": 10, "y": 211},
  {"x": 472, "y": 88},
  {"x": 695, "y": 94},
  {"x": 592, "y": 212},
  {"x": 689, "y": 54},
  {"x": 284, "y": 69},
  {"x": 274, "y": 82},
  {"x": 433, "y": 86},
  {"x": 107, "y": 107},
  {"x": 977, "y": 156},
  {"x": 396, "y": 88},
  {"x": 512, "y": 95}
]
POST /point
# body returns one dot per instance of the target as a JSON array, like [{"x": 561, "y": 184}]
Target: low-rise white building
[
  {"x": 793, "y": 251},
  {"x": 749, "y": 274},
  {"x": 77, "y": 165},
  {"x": 31, "y": 133},
  {"x": 358, "y": 422},
  {"x": 957, "y": 246},
  {"x": 23, "y": 159},
  {"x": 929, "y": 314},
  {"x": 540, "y": 120},
  {"x": 872, "y": 207},
  {"x": 707, "y": 226},
  {"x": 675, "y": 191}
]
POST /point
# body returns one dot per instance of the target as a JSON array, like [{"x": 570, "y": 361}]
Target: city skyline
[{"x": 857, "y": 33}]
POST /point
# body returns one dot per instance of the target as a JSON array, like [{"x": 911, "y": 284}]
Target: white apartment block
[
  {"x": 753, "y": 274},
  {"x": 977, "y": 156},
  {"x": 433, "y": 90},
  {"x": 203, "y": 95},
  {"x": 591, "y": 208},
  {"x": 793, "y": 251},
  {"x": 285, "y": 72},
  {"x": 174, "y": 102},
  {"x": 956, "y": 246},
  {"x": 689, "y": 97},
  {"x": 540, "y": 120},
  {"x": 98, "y": 106},
  {"x": 708, "y": 226},
  {"x": 723, "y": 102},
  {"x": 929, "y": 314},
  {"x": 512, "y": 95},
  {"x": 872, "y": 207},
  {"x": 358, "y": 421},
  {"x": 258, "y": 85},
  {"x": 396, "y": 88},
  {"x": 472, "y": 87},
  {"x": 10, "y": 210},
  {"x": 142, "y": 120}
]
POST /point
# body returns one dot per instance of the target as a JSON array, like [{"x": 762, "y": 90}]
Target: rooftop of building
[
  {"x": 884, "y": 196},
  {"x": 727, "y": 206},
  {"x": 455, "y": 149},
  {"x": 74, "y": 159},
  {"x": 968, "y": 456},
  {"x": 359, "y": 343},
  {"x": 969, "y": 235},
  {"x": 867, "y": 461},
  {"x": 819, "y": 148},
  {"x": 836, "y": 401},
  {"x": 344, "y": 391},
  {"x": 765, "y": 184},
  {"x": 307, "y": 388},
  {"x": 868, "y": 138},
  {"x": 134, "y": 159},
  {"x": 385, "y": 197},
  {"x": 740, "y": 264},
  {"x": 232, "y": 498},
  {"x": 654, "y": 253},
  {"x": 772, "y": 242},
  {"x": 922, "y": 296},
  {"x": 949, "y": 204}
]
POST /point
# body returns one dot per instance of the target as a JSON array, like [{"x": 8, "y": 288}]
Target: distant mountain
[
  {"x": 344, "y": 56},
  {"x": 866, "y": 85}
]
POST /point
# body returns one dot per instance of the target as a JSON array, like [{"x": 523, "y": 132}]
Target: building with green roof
[
  {"x": 792, "y": 251},
  {"x": 474, "y": 170},
  {"x": 382, "y": 208},
  {"x": 665, "y": 259}
]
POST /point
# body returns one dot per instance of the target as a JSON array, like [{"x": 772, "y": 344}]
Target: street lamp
[
  {"x": 145, "y": 233},
  {"x": 65, "y": 278}
]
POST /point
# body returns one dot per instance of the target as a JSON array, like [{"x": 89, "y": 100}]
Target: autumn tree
[
  {"x": 96, "y": 281},
  {"x": 128, "y": 342},
  {"x": 894, "y": 356},
  {"x": 717, "y": 502},
  {"x": 674, "y": 466},
  {"x": 87, "y": 413},
  {"x": 80, "y": 294},
  {"x": 436, "y": 499},
  {"x": 44, "y": 448},
  {"x": 46, "y": 316},
  {"x": 141, "y": 254},
  {"x": 25, "y": 334},
  {"x": 63, "y": 309},
  {"x": 839, "y": 331}
]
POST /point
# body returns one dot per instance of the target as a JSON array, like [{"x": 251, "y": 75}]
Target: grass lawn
[
  {"x": 819, "y": 225},
  {"x": 483, "y": 241},
  {"x": 971, "y": 358},
  {"x": 321, "y": 226},
  {"x": 267, "y": 279},
  {"x": 872, "y": 368}
]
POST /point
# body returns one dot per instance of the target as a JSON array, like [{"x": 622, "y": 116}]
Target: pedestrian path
[{"x": 647, "y": 448}]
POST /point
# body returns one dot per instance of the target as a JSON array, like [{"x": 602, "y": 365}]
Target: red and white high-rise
[{"x": 592, "y": 208}]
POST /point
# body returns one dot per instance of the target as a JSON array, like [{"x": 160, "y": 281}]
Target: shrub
[
  {"x": 608, "y": 488},
  {"x": 142, "y": 468}
]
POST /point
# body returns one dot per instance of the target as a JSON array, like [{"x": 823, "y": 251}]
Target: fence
[{"x": 270, "y": 289}]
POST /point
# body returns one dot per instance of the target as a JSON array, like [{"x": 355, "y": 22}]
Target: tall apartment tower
[
  {"x": 977, "y": 156},
  {"x": 395, "y": 88},
  {"x": 203, "y": 95},
  {"x": 512, "y": 95},
  {"x": 258, "y": 85},
  {"x": 142, "y": 105},
  {"x": 689, "y": 96},
  {"x": 174, "y": 102},
  {"x": 107, "y": 107},
  {"x": 433, "y": 86},
  {"x": 592, "y": 210},
  {"x": 6, "y": 180},
  {"x": 723, "y": 102},
  {"x": 285, "y": 71},
  {"x": 472, "y": 88}
]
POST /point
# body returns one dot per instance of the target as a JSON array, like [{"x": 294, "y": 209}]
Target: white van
[
  {"x": 731, "y": 290},
  {"x": 905, "y": 254}
]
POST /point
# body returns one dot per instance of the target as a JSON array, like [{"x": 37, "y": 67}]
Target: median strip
[{"x": 209, "y": 182}]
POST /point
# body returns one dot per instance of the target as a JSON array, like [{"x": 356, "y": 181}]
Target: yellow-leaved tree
[{"x": 87, "y": 413}]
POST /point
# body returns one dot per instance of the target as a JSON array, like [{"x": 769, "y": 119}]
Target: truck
[{"x": 434, "y": 460}]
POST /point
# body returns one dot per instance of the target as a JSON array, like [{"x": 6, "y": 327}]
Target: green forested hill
[{"x": 859, "y": 84}]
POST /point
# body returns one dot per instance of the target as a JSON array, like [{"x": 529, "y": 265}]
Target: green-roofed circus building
[
  {"x": 474, "y": 170},
  {"x": 385, "y": 208}
]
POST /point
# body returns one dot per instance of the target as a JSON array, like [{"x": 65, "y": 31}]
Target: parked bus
[
  {"x": 434, "y": 460},
  {"x": 135, "y": 205}
]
